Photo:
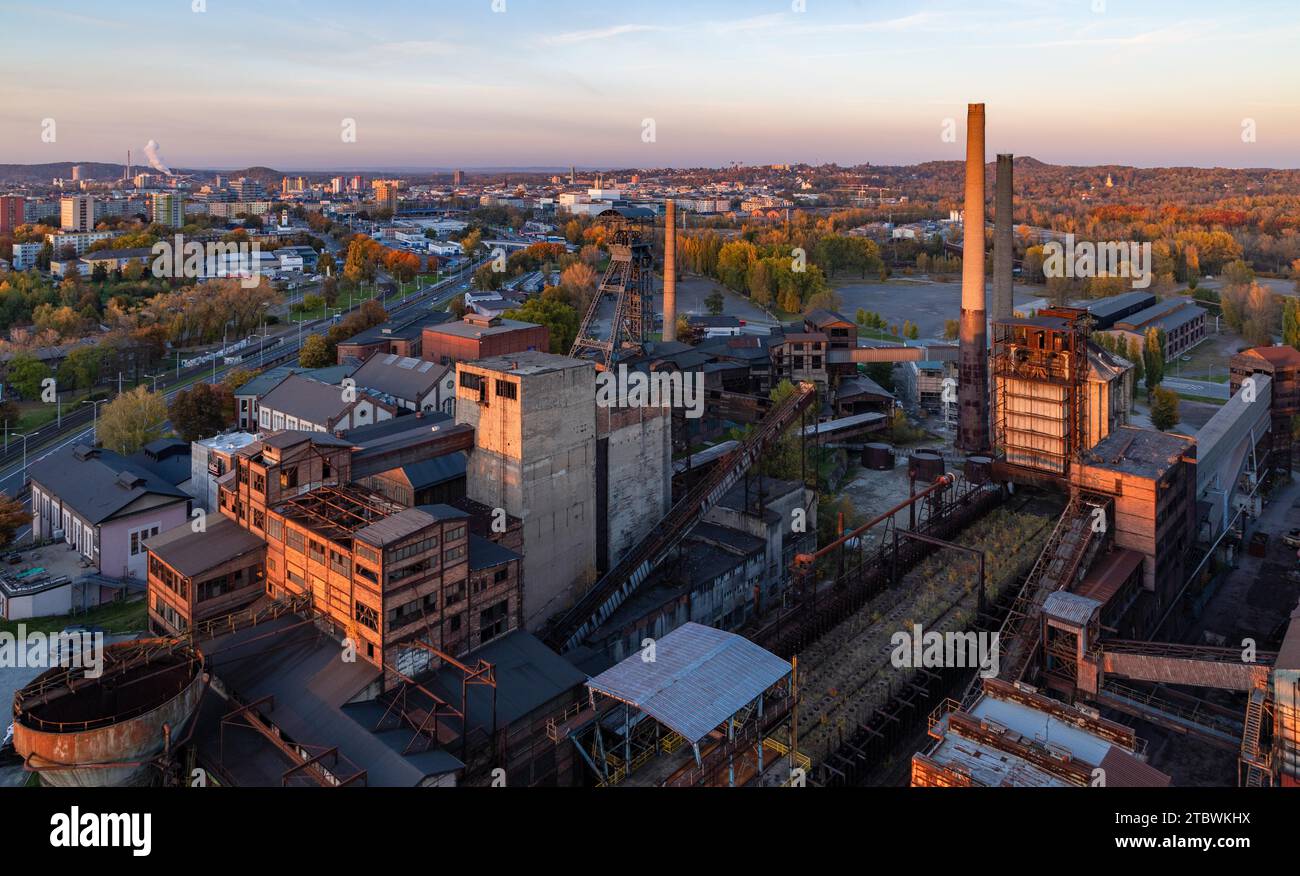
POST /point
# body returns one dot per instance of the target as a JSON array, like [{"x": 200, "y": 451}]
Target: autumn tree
[
  {"x": 26, "y": 373},
  {"x": 131, "y": 420},
  {"x": 13, "y": 516},
  {"x": 198, "y": 412},
  {"x": 560, "y": 319},
  {"x": 315, "y": 352}
]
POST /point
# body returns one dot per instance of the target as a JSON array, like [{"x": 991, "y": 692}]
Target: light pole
[
  {"x": 23, "y": 481},
  {"x": 95, "y": 426},
  {"x": 224, "y": 332}
]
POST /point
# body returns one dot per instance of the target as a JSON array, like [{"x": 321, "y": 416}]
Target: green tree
[
  {"x": 80, "y": 370},
  {"x": 198, "y": 412},
  {"x": 1154, "y": 354},
  {"x": 1133, "y": 353},
  {"x": 715, "y": 302},
  {"x": 560, "y": 319},
  {"x": 132, "y": 420},
  {"x": 315, "y": 352},
  {"x": 1291, "y": 322},
  {"x": 26, "y": 373},
  {"x": 1164, "y": 409}
]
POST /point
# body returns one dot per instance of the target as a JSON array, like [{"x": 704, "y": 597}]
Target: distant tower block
[
  {"x": 973, "y": 383},
  {"x": 670, "y": 271},
  {"x": 1003, "y": 247}
]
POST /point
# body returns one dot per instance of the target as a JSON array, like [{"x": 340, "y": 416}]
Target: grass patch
[{"x": 115, "y": 617}]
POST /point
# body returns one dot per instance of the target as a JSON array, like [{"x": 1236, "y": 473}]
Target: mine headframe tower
[{"x": 630, "y": 280}]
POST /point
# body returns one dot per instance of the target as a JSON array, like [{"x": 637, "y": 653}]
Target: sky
[{"x": 648, "y": 83}]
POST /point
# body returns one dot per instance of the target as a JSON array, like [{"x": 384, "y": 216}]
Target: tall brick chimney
[
  {"x": 670, "y": 271},
  {"x": 973, "y": 380}
]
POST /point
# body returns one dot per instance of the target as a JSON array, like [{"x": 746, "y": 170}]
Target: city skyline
[{"x": 574, "y": 84}]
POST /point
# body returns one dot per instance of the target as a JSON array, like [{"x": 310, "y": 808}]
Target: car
[{"x": 1292, "y": 539}]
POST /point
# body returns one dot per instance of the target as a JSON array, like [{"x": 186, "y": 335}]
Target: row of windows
[
  {"x": 418, "y": 547},
  {"x": 175, "y": 583},
  {"x": 169, "y": 614}
]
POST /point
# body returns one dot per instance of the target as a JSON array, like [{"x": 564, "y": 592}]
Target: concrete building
[
  {"x": 1151, "y": 477},
  {"x": 12, "y": 209},
  {"x": 167, "y": 208},
  {"x": 479, "y": 337},
  {"x": 104, "y": 506},
  {"x": 210, "y": 459},
  {"x": 535, "y": 455},
  {"x": 77, "y": 213},
  {"x": 25, "y": 255},
  {"x": 800, "y": 356},
  {"x": 633, "y": 477},
  {"x": 77, "y": 242}
]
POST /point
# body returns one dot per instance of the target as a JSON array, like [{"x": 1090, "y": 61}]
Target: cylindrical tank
[
  {"x": 106, "y": 731},
  {"x": 979, "y": 469},
  {"x": 924, "y": 466},
  {"x": 878, "y": 457}
]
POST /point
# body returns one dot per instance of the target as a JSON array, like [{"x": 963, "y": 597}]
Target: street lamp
[
  {"x": 224, "y": 333},
  {"x": 23, "y": 481},
  {"x": 95, "y": 427}
]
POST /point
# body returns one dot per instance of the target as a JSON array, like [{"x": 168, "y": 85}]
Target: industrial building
[{"x": 480, "y": 337}]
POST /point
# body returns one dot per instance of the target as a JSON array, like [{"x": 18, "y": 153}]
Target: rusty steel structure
[
  {"x": 1040, "y": 376},
  {"x": 630, "y": 280},
  {"x": 120, "y": 727},
  {"x": 973, "y": 382}
]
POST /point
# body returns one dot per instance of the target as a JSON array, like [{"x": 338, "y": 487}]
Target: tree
[
  {"x": 198, "y": 412},
  {"x": 1291, "y": 322},
  {"x": 1154, "y": 357},
  {"x": 560, "y": 319},
  {"x": 1164, "y": 409},
  {"x": 470, "y": 242},
  {"x": 132, "y": 420},
  {"x": 26, "y": 373},
  {"x": 315, "y": 352},
  {"x": 1134, "y": 354},
  {"x": 952, "y": 326},
  {"x": 912, "y": 333},
  {"x": 12, "y": 516},
  {"x": 81, "y": 369},
  {"x": 715, "y": 302}
]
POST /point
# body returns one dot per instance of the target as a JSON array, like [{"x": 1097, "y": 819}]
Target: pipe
[
  {"x": 1003, "y": 253},
  {"x": 972, "y": 384},
  {"x": 670, "y": 271}
]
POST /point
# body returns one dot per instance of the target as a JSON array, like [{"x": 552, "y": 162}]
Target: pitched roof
[
  {"x": 192, "y": 553},
  {"x": 399, "y": 376},
  {"x": 699, "y": 678},
  {"x": 485, "y": 553},
  {"x": 97, "y": 483},
  {"x": 307, "y": 399}
]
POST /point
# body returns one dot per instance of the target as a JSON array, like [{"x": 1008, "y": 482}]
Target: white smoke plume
[{"x": 155, "y": 160}]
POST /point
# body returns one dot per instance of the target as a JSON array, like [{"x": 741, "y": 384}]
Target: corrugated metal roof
[
  {"x": 1069, "y": 607},
  {"x": 700, "y": 677},
  {"x": 395, "y": 527},
  {"x": 1123, "y": 770}
]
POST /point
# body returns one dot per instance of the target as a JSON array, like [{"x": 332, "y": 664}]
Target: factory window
[
  {"x": 456, "y": 534},
  {"x": 506, "y": 389},
  {"x": 369, "y": 575},
  {"x": 453, "y": 555},
  {"x": 316, "y": 551},
  {"x": 454, "y": 594},
  {"x": 492, "y": 622},
  {"x": 470, "y": 380},
  {"x": 367, "y": 553},
  {"x": 367, "y": 617},
  {"x": 259, "y": 482},
  {"x": 289, "y": 478},
  {"x": 275, "y": 529},
  {"x": 340, "y": 563},
  {"x": 418, "y": 547},
  {"x": 294, "y": 539},
  {"x": 259, "y": 519},
  {"x": 501, "y": 574},
  {"x": 295, "y": 575}
]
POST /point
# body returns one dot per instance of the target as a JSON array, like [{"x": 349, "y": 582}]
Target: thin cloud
[{"x": 604, "y": 33}]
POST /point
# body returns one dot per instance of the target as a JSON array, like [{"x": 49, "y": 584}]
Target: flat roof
[
  {"x": 1143, "y": 452},
  {"x": 529, "y": 362},
  {"x": 1104, "y": 307},
  {"x": 464, "y": 329},
  {"x": 699, "y": 678}
]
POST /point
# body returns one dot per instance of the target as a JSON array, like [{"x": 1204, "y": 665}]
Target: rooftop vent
[
  {"x": 85, "y": 451},
  {"x": 129, "y": 479}
]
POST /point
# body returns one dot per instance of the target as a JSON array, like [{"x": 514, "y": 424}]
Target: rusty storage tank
[
  {"x": 878, "y": 457},
  {"x": 925, "y": 466},
  {"x": 979, "y": 469},
  {"x": 82, "y": 731}
]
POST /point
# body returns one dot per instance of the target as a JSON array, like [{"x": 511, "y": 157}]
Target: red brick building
[{"x": 478, "y": 337}]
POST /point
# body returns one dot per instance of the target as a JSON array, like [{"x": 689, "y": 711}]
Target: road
[
  {"x": 1204, "y": 388},
  {"x": 79, "y": 427}
]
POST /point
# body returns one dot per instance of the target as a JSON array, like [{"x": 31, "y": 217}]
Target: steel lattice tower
[{"x": 629, "y": 278}]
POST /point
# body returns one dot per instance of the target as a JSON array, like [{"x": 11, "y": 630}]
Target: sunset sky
[{"x": 452, "y": 83}]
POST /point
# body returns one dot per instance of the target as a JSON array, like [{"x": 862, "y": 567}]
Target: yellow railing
[
  {"x": 800, "y": 760},
  {"x": 672, "y": 742}
]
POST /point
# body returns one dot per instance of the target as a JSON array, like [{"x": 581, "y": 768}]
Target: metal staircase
[{"x": 1255, "y": 770}]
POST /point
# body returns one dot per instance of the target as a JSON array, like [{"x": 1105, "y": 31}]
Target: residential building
[
  {"x": 167, "y": 208},
  {"x": 11, "y": 212},
  {"x": 77, "y": 213},
  {"x": 410, "y": 384},
  {"x": 301, "y": 402},
  {"x": 104, "y": 505}
]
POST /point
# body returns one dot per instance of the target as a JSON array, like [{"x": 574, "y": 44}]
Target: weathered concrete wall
[
  {"x": 639, "y": 466},
  {"x": 535, "y": 456}
]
